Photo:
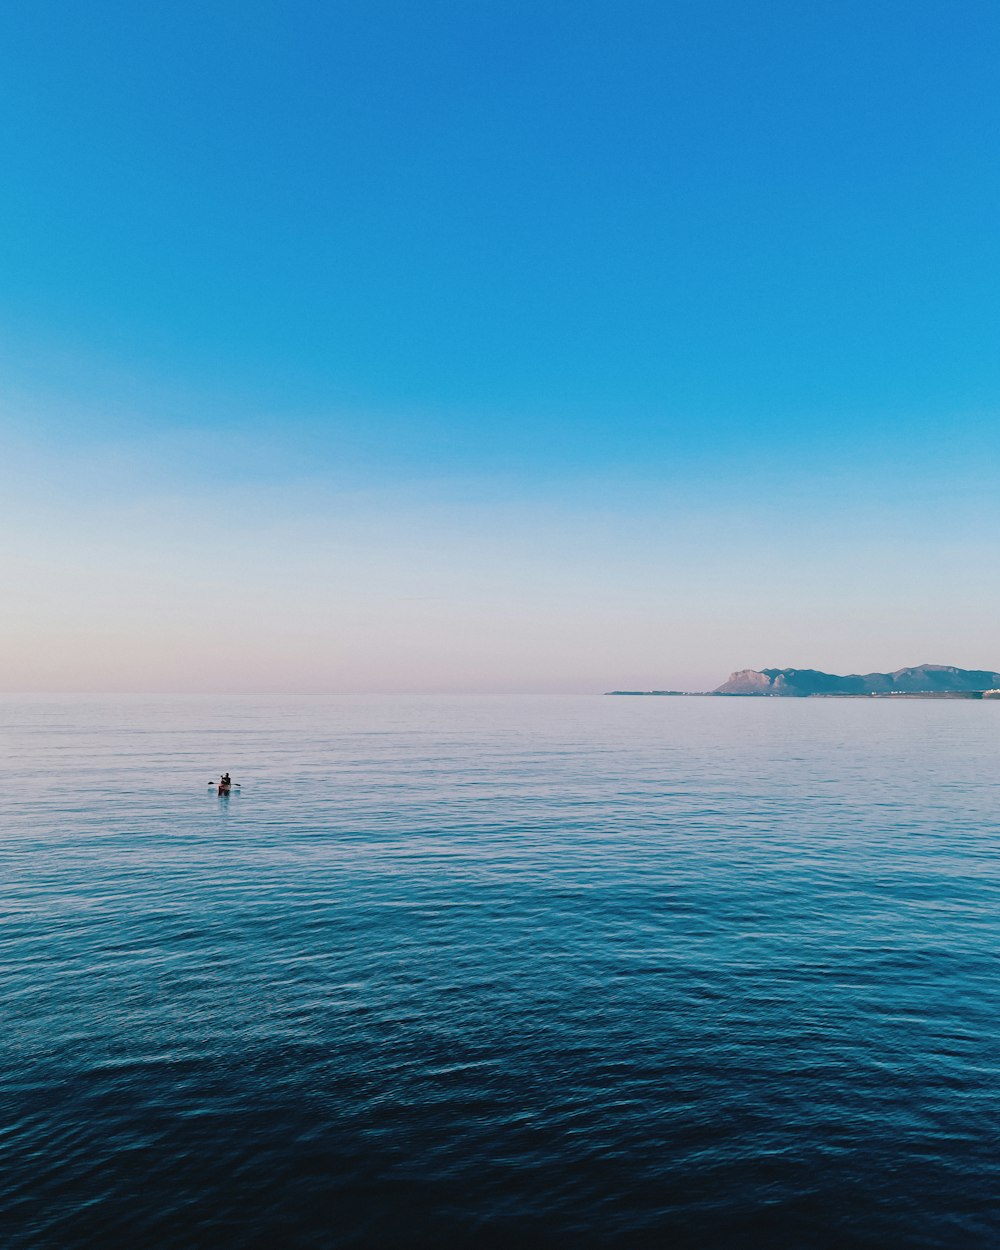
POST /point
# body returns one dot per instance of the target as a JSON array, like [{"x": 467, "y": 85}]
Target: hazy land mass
[{"x": 940, "y": 681}]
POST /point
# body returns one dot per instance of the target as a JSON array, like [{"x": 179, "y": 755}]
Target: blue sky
[{"x": 496, "y": 346}]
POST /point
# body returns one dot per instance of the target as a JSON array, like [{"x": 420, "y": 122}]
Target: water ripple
[{"x": 580, "y": 972}]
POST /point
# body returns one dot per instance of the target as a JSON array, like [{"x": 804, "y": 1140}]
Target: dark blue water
[{"x": 574, "y": 972}]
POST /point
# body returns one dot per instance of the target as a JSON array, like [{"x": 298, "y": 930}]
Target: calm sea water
[{"x": 499, "y": 971}]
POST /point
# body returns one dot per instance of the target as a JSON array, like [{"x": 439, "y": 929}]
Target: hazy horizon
[
  {"x": 276, "y": 692},
  {"x": 510, "y": 349}
]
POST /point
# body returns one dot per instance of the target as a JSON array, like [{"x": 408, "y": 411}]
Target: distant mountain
[{"x": 801, "y": 682}]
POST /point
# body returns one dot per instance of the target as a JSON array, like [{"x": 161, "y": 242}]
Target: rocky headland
[{"x": 927, "y": 681}]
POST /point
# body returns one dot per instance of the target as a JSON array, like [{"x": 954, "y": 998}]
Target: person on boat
[{"x": 225, "y": 781}]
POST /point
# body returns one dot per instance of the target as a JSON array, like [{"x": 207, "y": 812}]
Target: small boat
[{"x": 217, "y": 785}]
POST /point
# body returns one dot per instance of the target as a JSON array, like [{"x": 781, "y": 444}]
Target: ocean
[{"x": 499, "y": 971}]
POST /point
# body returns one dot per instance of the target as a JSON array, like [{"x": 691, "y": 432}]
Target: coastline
[{"x": 882, "y": 694}]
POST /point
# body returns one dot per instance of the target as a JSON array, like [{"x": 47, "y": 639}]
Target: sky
[{"x": 495, "y": 345}]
